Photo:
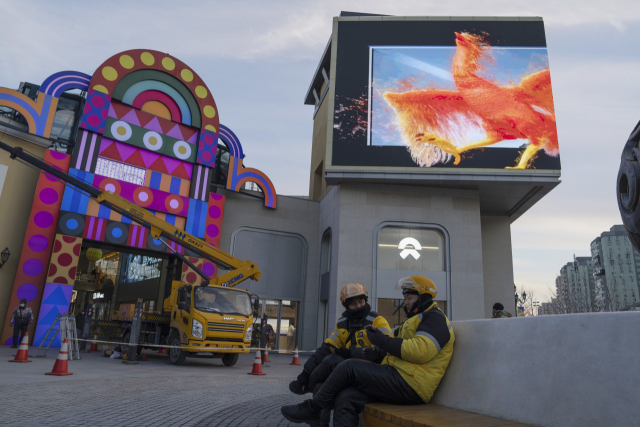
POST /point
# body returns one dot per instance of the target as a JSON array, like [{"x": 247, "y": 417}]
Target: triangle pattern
[
  {"x": 158, "y": 166},
  {"x": 175, "y": 132},
  {"x": 120, "y": 109},
  {"x": 181, "y": 172},
  {"x": 149, "y": 157},
  {"x": 131, "y": 117},
  {"x": 166, "y": 125},
  {"x": 111, "y": 152},
  {"x": 104, "y": 143},
  {"x": 125, "y": 150},
  {"x": 50, "y": 317},
  {"x": 136, "y": 159},
  {"x": 171, "y": 164},
  {"x": 193, "y": 138},
  {"x": 154, "y": 125},
  {"x": 57, "y": 296},
  {"x": 111, "y": 112}
]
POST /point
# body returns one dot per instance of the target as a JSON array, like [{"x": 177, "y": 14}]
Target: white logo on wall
[
  {"x": 97, "y": 295},
  {"x": 409, "y": 246}
]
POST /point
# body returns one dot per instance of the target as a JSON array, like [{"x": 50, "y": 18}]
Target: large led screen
[{"x": 467, "y": 94}]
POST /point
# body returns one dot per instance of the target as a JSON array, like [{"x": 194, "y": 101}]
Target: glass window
[
  {"x": 225, "y": 301},
  {"x": 419, "y": 249},
  {"x": 289, "y": 325}
]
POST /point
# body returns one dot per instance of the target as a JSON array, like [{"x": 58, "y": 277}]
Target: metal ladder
[
  {"x": 48, "y": 337},
  {"x": 68, "y": 330},
  {"x": 66, "y": 325}
]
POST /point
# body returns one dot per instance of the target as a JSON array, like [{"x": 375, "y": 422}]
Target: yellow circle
[
  {"x": 187, "y": 75},
  {"x": 209, "y": 111},
  {"x": 109, "y": 73},
  {"x": 168, "y": 63},
  {"x": 182, "y": 150},
  {"x": 121, "y": 130},
  {"x": 147, "y": 58},
  {"x": 153, "y": 140},
  {"x": 101, "y": 88},
  {"x": 211, "y": 128},
  {"x": 201, "y": 91},
  {"x": 127, "y": 62}
]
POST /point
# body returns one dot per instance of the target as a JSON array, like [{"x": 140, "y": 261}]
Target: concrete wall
[
  {"x": 497, "y": 263},
  {"x": 362, "y": 207},
  {"x": 16, "y": 199},
  {"x": 293, "y": 215},
  {"x": 317, "y": 184},
  {"x": 330, "y": 219},
  {"x": 576, "y": 370}
]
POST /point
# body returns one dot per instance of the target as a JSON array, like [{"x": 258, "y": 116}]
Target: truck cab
[{"x": 209, "y": 319}]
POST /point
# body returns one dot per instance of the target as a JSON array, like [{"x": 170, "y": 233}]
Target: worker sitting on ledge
[
  {"x": 346, "y": 341},
  {"x": 403, "y": 370}
]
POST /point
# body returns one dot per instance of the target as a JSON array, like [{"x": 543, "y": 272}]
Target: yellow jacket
[
  {"x": 426, "y": 350},
  {"x": 342, "y": 336}
]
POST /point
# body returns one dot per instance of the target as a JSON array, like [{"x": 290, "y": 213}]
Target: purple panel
[
  {"x": 94, "y": 117},
  {"x": 55, "y": 300},
  {"x": 207, "y": 147}
]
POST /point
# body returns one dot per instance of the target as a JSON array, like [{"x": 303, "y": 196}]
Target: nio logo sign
[{"x": 409, "y": 246}]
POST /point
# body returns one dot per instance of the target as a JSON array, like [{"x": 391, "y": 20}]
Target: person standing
[
  {"x": 290, "y": 334},
  {"x": 499, "y": 312},
  {"x": 20, "y": 319}
]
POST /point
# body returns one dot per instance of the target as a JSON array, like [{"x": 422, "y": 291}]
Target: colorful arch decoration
[
  {"x": 114, "y": 69},
  {"x": 57, "y": 83},
  {"x": 239, "y": 175}
]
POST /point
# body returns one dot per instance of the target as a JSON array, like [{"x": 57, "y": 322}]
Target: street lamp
[
  {"x": 520, "y": 300},
  {"x": 4, "y": 256}
]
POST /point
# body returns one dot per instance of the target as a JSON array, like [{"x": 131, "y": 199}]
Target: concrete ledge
[
  {"x": 385, "y": 415},
  {"x": 575, "y": 370}
]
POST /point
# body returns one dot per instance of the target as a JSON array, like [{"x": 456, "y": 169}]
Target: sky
[{"x": 258, "y": 59}]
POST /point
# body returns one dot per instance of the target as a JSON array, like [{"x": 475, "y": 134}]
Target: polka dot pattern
[
  {"x": 168, "y": 63},
  {"x": 64, "y": 261},
  {"x": 127, "y": 62},
  {"x": 207, "y": 148},
  {"x": 33, "y": 260},
  {"x": 188, "y": 274},
  {"x": 213, "y": 223},
  {"x": 94, "y": 117}
]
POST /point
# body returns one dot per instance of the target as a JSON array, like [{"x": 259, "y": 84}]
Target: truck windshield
[{"x": 224, "y": 301}]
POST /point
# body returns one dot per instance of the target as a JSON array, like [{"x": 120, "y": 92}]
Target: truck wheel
[
  {"x": 230, "y": 359},
  {"x": 125, "y": 344},
  {"x": 176, "y": 355}
]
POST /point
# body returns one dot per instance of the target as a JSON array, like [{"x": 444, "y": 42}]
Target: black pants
[
  {"x": 354, "y": 383},
  {"x": 317, "y": 378},
  {"x": 18, "y": 330}
]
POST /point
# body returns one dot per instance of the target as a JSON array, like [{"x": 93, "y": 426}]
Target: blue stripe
[
  {"x": 190, "y": 216},
  {"x": 156, "y": 179},
  {"x": 196, "y": 219},
  {"x": 174, "y": 188},
  {"x": 171, "y": 219},
  {"x": 104, "y": 212},
  {"x": 203, "y": 219}
]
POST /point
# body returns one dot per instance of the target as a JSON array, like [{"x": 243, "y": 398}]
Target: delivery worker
[
  {"x": 346, "y": 341},
  {"x": 499, "y": 312},
  {"x": 20, "y": 319},
  {"x": 403, "y": 370}
]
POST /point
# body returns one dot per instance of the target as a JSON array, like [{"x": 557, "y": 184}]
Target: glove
[
  {"x": 373, "y": 354},
  {"x": 303, "y": 379},
  {"x": 380, "y": 340},
  {"x": 343, "y": 352},
  {"x": 376, "y": 337}
]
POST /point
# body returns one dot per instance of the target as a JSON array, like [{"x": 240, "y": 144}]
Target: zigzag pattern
[
  {"x": 148, "y": 121},
  {"x": 145, "y": 159}
]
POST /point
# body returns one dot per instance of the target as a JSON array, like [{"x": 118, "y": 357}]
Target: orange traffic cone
[
  {"x": 266, "y": 355},
  {"x": 94, "y": 345},
  {"x": 257, "y": 365},
  {"x": 60, "y": 367},
  {"x": 23, "y": 350},
  {"x": 296, "y": 359}
]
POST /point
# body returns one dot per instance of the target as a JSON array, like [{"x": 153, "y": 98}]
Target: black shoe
[
  {"x": 295, "y": 388},
  {"x": 14, "y": 346},
  {"x": 300, "y": 413}
]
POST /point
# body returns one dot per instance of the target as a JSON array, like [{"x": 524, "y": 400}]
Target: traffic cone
[
  {"x": 296, "y": 359},
  {"x": 23, "y": 350},
  {"x": 94, "y": 345},
  {"x": 257, "y": 365},
  {"x": 60, "y": 367},
  {"x": 266, "y": 355},
  {"x": 162, "y": 351}
]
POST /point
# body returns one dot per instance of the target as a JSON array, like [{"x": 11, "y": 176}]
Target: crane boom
[{"x": 239, "y": 270}]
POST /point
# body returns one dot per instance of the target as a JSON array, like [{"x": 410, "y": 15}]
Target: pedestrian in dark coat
[{"x": 20, "y": 319}]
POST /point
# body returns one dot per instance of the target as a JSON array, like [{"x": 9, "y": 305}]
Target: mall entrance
[{"x": 282, "y": 324}]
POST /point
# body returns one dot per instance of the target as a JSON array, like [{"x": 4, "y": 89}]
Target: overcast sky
[{"x": 258, "y": 59}]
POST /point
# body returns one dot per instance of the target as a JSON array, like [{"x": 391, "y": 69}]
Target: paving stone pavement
[{"x": 104, "y": 392}]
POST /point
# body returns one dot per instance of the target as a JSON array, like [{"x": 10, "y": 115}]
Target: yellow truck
[{"x": 210, "y": 317}]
